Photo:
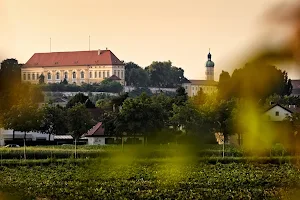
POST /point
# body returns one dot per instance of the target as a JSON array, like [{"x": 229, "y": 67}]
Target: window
[
  {"x": 28, "y": 76},
  {"x": 74, "y": 74},
  {"x": 107, "y": 73},
  {"x": 115, "y": 72},
  {"x": 24, "y": 76},
  {"x": 82, "y": 74},
  {"x": 91, "y": 75},
  {"x": 66, "y": 75},
  {"x": 118, "y": 73},
  {"x": 57, "y": 75},
  {"x": 122, "y": 74},
  {"x": 103, "y": 74},
  {"x": 37, "y": 76},
  {"x": 95, "y": 74},
  {"x": 99, "y": 74},
  {"x": 49, "y": 76},
  {"x": 277, "y": 113},
  {"x": 33, "y": 76}
]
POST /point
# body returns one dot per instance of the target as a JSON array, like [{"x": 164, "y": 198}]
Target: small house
[{"x": 96, "y": 136}]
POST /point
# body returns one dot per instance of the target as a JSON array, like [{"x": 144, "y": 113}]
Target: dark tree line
[
  {"x": 256, "y": 81},
  {"x": 158, "y": 74}
]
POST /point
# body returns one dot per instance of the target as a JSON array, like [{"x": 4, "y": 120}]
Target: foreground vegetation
[{"x": 130, "y": 178}]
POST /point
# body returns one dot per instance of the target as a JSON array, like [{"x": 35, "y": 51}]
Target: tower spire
[{"x": 209, "y": 55}]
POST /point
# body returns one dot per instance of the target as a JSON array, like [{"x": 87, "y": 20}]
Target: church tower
[{"x": 209, "y": 68}]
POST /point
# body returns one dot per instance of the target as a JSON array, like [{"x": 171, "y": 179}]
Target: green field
[{"x": 142, "y": 173}]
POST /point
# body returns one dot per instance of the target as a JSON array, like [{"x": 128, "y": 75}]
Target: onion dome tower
[{"x": 209, "y": 68}]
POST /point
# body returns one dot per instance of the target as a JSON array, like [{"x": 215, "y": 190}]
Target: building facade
[
  {"x": 208, "y": 86},
  {"x": 76, "y": 67}
]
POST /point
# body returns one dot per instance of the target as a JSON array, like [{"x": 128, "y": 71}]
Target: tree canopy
[{"x": 256, "y": 81}]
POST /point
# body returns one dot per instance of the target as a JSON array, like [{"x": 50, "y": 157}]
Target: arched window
[
  {"x": 49, "y": 76},
  {"x": 28, "y": 76},
  {"x": 66, "y": 75},
  {"x": 82, "y": 74},
  {"x": 33, "y": 76},
  {"x": 91, "y": 75},
  {"x": 57, "y": 75},
  {"x": 24, "y": 76},
  {"x": 74, "y": 74}
]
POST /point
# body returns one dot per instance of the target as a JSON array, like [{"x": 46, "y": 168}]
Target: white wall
[
  {"x": 271, "y": 114},
  {"x": 101, "y": 140},
  {"x": 8, "y": 135},
  {"x": 153, "y": 89},
  {"x": 96, "y": 141}
]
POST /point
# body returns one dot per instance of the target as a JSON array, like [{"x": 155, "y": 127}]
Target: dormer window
[{"x": 277, "y": 113}]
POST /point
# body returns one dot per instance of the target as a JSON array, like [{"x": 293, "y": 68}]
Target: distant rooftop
[{"x": 75, "y": 58}]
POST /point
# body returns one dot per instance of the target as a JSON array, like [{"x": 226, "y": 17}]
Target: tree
[
  {"x": 139, "y": 116},
  {"x": 181, "y": 96},
  {"x": 117, "y": 102},
  {"x": 163, "y": 74},
  {"x": 139, "y": 91},
  {"x": 80, "y": 98},
  {"x": 200, "y": 98},
  {"x": 197, "y": 124},
  {"x": 10, "y": 79},
  {"x": 22, "y": 117},
  {"x": 138, "y": 77},
  {"x": 224, "y": 85},
  {"x": 270, "y": 81},
  {"x": 89, "y": 104},
  {"x": 10, "y": 74},
  {"x": 79, "y": 121},
  {"x": 53, "y": 120},
  {"x": 41, "y": 79},
  {"x": 65, "y": 82},
  {"x": 225, "y": 114},
  {"x": 135, "y": 75}
]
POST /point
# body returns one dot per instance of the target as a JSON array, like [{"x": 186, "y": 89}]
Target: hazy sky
[{"x": 141, "y": 31}]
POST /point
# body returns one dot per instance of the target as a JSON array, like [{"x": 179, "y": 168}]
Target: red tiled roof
[
  {"x": 75, "y": 58},
  {"x": 97, "y": 130},
  {"x": 114, "y": 78}
]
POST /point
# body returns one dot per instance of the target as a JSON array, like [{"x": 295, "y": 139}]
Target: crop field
[
  {"x": 145, "y": 173},
  {"x": 160, "y": 172},
  {"x": 150, "y": 179}
]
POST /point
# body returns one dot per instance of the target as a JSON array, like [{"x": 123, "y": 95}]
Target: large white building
[
  {"x": 192, "y": 87},
  {"x": 76, "y": 67}
]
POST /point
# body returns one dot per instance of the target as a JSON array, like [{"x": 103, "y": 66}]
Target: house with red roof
[
  {"x": 76, "y": 67},
  {"x": 97, "y": 136}
]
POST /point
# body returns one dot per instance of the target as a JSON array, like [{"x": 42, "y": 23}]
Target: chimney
[
  {"x": 99, "y": 52},
  {"x": 106, "y": 48},
  {"x": 272, "y": 103}
]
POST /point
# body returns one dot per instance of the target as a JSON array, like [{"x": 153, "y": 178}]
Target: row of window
[
  {"x": 119, "y": 73},
  {"x": 204, "y": 88},
  {"x": 94, "y": 74},
  {"x": 33, "y": 76}
]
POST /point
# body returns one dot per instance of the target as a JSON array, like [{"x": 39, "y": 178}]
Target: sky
[{"x": 136, "y": 30}]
